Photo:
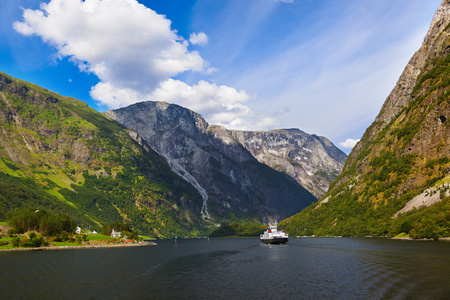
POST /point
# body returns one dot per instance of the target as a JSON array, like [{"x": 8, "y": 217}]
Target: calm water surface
[{"x": 305, "y": 268}]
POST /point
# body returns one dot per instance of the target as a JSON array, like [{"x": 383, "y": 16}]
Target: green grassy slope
[
  {"x": 396, "y": 162},
  {"x": 57, "y": 153}
]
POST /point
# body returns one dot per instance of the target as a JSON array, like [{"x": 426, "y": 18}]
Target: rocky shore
[{"x": 94, "y": 246}]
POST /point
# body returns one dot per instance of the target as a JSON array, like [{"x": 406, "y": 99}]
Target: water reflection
[
  {"x": 275, "y": 252},
  {"x": 307, "y": 268}
]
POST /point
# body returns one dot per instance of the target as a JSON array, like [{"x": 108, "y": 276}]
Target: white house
[
  {"x": 115, "y": 234},
  {"x": 78, "y": 230}
]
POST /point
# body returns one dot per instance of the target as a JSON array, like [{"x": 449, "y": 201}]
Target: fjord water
[{"x": 305, "y": 268}]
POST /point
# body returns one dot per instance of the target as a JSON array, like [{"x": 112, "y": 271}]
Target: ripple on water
[{"x": 307, "y": 268}]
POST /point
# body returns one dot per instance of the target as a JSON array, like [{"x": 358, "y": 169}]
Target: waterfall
[{"x": 178, "y": 169}]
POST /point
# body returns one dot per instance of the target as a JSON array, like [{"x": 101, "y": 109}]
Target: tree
[{"x": 15, "y": 241}]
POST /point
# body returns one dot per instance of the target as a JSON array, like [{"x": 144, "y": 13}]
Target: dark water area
[{"x": 305, "y": 268}]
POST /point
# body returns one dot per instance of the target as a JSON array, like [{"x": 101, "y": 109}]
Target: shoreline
[
  {"x": 141, "y": 244},
  {"x": 97, "y": 246},
  {"x": 446, "y": 239}
]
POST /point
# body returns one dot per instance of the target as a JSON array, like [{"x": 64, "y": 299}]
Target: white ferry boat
[{"x": 273, "y": 236}]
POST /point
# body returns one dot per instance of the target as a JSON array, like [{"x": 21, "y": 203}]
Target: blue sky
[{"x": 323, "y": 66}]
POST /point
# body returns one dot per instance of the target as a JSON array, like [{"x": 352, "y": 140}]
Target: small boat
[{"x": 273, "y": 236}]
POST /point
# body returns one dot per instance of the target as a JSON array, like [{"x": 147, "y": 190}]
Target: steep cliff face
[
  {"x": 435, "y": 45},
  {"x": 403, "y": 157},
  {"x": 232, "y": 182},
  {"x": 59, "y": 155},
  {"x": 314, "y": 162}
]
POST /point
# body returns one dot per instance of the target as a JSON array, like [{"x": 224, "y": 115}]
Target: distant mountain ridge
[
  {"x": 397, "y": 178},
  {"x": 312, "y": 161},
  {"x": 232, "y": 182}
]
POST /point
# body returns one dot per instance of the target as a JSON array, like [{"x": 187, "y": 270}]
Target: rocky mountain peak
[
  {"x": 434, "y": 41},
  {"x": 313, "y": 161},
  {"x": 232, "y": 182},
  {"x": 441, "y": 17}
]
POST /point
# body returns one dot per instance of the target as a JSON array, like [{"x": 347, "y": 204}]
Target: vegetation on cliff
[
  {"x": 395, "y": 162},
  {"x": 58, "y": 154}
]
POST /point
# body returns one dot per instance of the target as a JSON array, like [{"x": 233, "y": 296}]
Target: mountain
[
  {"x": 233, "y": 184},
  {"x": 396, "y": 180},
  {"x": 313, "y": 161},
  {"x": 58, "y": 154}
]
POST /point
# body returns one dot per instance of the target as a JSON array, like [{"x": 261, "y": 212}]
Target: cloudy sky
[{"x": 323, "y": 66}]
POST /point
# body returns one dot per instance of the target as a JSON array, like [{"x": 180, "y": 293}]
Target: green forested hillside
[
  {"x": 57, "y": 153},
  {"x": 404, "y": 155}
]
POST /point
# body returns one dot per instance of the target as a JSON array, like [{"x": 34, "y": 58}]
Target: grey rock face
[
  {"x": 232, "y": 182},
  {"x": 400, "y": 96},
  {"x": 313, "y": 161}
]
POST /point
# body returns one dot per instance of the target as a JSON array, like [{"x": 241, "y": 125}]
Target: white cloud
[
  {"x": 203, "y": 96},
  {"x": 115, "y": 97},
  {"x": 219, "y": 104},
  {"x": 341, "y": 69},
  {"x": 127, "y": 46},
  {"x": 134, "y": 52},
  {"x": 285, "y": 1},
  {"x": 349, "y": 143},
  {"x": 200, "y": 39}
]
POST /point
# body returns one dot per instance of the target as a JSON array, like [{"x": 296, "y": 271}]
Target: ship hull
[{"x": 280, "y": 240}]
